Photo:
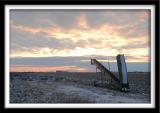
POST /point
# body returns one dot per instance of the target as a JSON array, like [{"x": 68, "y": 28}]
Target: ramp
[{"x": 122, "y": 81}]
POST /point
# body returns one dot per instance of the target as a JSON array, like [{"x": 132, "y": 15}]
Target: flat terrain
[{"x": 74, "y": 87}]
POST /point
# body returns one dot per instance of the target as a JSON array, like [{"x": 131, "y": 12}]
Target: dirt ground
[{"x": 75, "y": 88}]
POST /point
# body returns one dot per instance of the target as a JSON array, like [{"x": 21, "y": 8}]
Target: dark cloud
[
  {"x": 129, "y": 22},
  {"x": 45, "y": 18},
  {"x": 52, "y": 61},
  {"x": 67, "y": 18},
  {"x": 76, "y": 61}
]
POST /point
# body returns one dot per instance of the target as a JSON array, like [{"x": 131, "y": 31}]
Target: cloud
[
  {"x": 28, "y": 41},
  {"x": 82, "y": 63},
  {"x": 40, "y": 33},
  {"x": 71, "y": 60},
  {"x": 45, "y": 18}
]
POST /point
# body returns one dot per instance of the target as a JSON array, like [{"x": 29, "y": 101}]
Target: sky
[{"x": 50, "y": 40}]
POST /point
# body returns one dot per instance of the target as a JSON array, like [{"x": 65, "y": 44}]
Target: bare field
[{"x": 75, "y": 87}]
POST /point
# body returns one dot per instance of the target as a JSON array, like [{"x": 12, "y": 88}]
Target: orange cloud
[
  {"x": 33, "y": 29},
  {"x": 82, "y": 21},
  {"x": 143, "y": 15},
  {"x": 21, "y": 68}
]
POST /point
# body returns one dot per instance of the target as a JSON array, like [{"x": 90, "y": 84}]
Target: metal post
[{"x": 122, "y": 69}]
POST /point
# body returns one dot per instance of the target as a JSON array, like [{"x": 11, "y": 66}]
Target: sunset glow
[
  {"x": 79, "y": 33},
  {"x": 46, "y": 69}
]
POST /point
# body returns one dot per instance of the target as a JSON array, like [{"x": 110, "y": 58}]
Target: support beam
[{"x": 122, "y": 69}]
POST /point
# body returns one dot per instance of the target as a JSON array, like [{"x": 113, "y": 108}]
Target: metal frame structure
[{"x": 122, "y": 81}]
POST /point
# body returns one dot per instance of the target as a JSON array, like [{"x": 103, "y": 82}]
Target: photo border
[{"x": 100, "y": 3}]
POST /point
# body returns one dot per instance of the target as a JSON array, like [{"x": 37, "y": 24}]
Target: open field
[{"x": 75, "y": 87}]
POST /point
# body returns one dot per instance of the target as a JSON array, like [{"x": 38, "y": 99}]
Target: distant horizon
[{"x": 85, "y": 67}]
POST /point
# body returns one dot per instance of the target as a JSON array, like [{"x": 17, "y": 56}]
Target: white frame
[{"x": 126, "y": 105}]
